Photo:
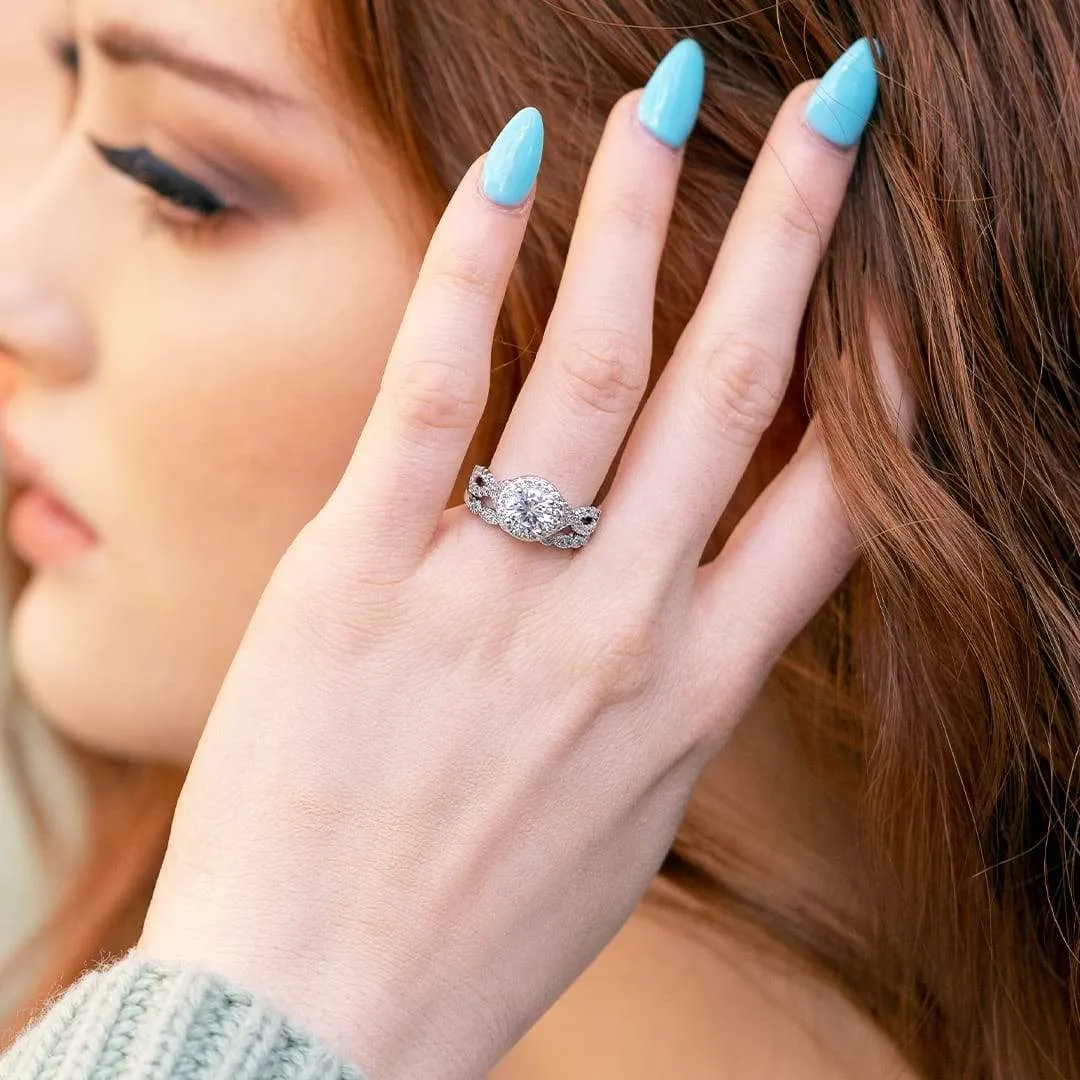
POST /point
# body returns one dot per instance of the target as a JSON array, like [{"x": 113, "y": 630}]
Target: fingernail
[
  {"x": 513, "y": 161},
  {"x": 842, "y": 101},
  {"x": 668, "y": 107}
]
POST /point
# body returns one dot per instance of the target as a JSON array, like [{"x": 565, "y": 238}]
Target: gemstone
[{"x": 529, "y": 507}]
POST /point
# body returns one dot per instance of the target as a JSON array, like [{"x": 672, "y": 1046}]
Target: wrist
[{"x": 391, "y": 1018}]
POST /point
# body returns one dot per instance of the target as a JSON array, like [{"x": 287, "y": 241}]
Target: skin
[
  {"x": 199, "y": 440},
  {"x": 36, "y": 93},
  {"x": 196, "y": 438}
]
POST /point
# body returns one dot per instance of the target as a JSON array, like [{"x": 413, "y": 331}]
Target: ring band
[{"x": 530, "y": 508}]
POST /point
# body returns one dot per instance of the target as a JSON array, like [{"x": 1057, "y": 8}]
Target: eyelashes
[
  {"x": 146, "y": 168},
  {"x": 181, "y": 204},
  {"x": 66, "y": 53},
  {"x": 140, "y": 164}
]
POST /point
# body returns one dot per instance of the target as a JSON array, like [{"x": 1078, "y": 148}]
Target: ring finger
[{"x": 591, "y": 371}]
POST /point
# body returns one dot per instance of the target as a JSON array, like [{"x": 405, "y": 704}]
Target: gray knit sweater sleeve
[{"x": 141, "y": 1019}]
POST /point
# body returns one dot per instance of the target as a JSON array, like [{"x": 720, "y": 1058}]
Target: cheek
[
  {"x": 237, "y": 399},
  {"x": 228, "y": 405}
]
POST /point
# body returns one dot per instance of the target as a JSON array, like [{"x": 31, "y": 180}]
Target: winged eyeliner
[{"x": 148, "y": 169}]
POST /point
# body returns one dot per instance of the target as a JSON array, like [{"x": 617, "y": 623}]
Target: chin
[{"x": 97, "y": 675}]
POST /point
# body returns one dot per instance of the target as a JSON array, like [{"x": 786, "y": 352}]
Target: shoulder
[{"x": 658, "y": 1002}]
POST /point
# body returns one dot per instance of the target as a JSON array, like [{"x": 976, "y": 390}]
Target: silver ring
[{"x": 530, "y": 508}]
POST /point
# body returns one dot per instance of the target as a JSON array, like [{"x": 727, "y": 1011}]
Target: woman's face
[{"x": 192, "y": 379}]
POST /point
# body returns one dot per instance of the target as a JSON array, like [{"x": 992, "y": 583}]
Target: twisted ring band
[{"x": 530, "y": 508}]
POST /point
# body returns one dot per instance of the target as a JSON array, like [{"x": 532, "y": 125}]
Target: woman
[
  {"x": 942, "y": 708},
  {"x": 666, "y": 112}
]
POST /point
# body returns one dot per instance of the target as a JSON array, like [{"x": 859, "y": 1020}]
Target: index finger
[{"x": 729, "y": 372}]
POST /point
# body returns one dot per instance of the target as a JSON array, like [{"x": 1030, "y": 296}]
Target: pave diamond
[{"x": 529, "y": 507}]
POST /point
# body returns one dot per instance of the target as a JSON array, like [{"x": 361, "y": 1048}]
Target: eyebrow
[{"x": 128, "y": 45}]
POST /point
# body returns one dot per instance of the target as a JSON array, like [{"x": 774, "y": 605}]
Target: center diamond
[{"x": 529, "y": 507}]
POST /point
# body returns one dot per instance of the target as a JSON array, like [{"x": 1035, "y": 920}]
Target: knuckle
[
  {"x": 606, "y": 370},
  {"x": 470, "y": 274},
  {"x": 796, "y": 224},
  {"x": 742, "y": 385},
  {"x": 636, "y": 209},
  {"x": 434, "y": 394},
  {"x": 625, "y": 658}
]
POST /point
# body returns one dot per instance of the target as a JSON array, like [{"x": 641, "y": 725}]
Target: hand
[{"x": 445, "y": 764}]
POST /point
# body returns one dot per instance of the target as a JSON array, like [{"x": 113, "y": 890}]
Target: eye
[
  {"x": 163, "y": 179},
  {"x": 66, "y": 53}
]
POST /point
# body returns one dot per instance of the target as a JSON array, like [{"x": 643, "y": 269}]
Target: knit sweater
[{"x": 142, "y": 1019}]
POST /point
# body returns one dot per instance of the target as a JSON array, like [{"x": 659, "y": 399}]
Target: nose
[{"x": 43, "y": 235}]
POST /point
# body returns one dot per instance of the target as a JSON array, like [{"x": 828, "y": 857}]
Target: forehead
[{"x": 272, "y": 41}]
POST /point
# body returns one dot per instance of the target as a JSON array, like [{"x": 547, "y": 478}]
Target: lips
[{"x": 25, "y": 471}]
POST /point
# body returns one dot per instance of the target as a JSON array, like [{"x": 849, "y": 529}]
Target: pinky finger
[{"x": 789, "y": 552}]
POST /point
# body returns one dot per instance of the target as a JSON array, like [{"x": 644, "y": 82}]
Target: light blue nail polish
[
  {"x": 513, "y": 161},
  {"x": 842, "y": 101},
  {"x": 668, "y": 107}
]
